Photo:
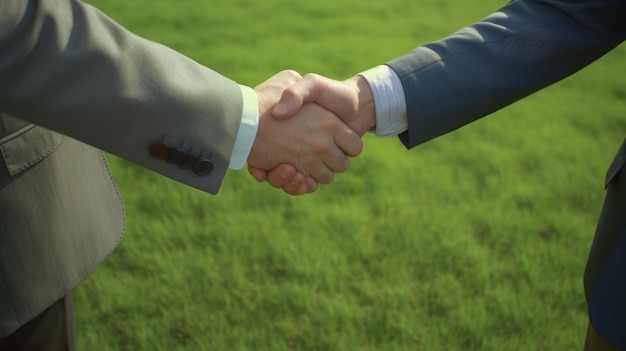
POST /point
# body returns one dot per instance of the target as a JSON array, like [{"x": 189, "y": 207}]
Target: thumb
[
  {"x": 289, "y": 104},
  {"x": 306, "y": 90}
]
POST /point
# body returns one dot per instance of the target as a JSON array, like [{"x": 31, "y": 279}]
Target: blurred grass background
[{"x": 474, "y": 241}]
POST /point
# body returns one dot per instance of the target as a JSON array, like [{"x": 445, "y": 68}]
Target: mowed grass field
[{"x": 474, "y": 241}]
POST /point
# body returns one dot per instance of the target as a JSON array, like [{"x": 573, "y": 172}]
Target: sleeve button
[
  {"x": 203, "y": 168},
  {"x": 187, "y": 162},
  {"x": 160, "y": 151},
  {"x": 175, "y": 156}
]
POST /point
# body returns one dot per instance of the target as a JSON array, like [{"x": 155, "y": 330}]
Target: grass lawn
[{"x": 474, "y": 241}]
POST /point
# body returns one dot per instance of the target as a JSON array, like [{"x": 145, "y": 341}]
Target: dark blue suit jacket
[{"x": 517, "y": 50}]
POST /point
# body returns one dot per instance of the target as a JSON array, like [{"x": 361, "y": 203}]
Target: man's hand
[
  {"x": 313, "y": 140},
  {"x": 351, "y": 100}
]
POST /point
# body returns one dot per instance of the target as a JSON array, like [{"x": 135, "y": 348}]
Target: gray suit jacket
[{"x": 70, "y": 76}]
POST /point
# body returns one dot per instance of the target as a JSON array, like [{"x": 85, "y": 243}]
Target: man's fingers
[
  {"x": 349, "y": 141},
  {"x": 292, "y": 182},
  {"x": 311, "y": 184},
  {"x": 322, "y": 174},
  {"x": 336, "y": 161},
  {"x": 258, "y": 174},
  {"x": 284, "y": 174},
  {"x": 296, "y": 186},
  {"x": 288, "y": 178}
]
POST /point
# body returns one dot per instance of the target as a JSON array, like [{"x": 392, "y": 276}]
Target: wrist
[
  {"x": 389, "y": 101},
  {"x": 366, "y": 109}
]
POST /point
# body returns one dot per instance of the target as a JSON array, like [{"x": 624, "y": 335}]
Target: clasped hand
[{"x": 308, "y": 127}]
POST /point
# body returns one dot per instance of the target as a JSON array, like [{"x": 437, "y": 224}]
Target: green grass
[{"x": 474, "y": 241}]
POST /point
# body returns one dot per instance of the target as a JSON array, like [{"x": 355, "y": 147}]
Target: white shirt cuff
[
  {"x": 389, "y": 100},
  {"x": 247, "y": 129}
]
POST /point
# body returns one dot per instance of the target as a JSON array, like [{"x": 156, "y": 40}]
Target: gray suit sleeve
[
  {"x": 66, "y": 66},
  {"x": 517, "y": 50}
]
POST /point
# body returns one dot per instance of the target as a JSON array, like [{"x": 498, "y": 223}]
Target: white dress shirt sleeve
[
  {"x": 389, "y": 100},
  {"x": 247, "y": 129}
]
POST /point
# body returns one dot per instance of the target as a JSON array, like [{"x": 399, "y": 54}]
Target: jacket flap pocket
[{"x": 28, "y": 146}]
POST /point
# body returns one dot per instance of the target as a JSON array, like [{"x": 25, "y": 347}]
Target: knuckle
[
  {"x": 326, "y": 123},
  {"x": 321, "y": 146},
  {"x": 310, "y": 76},
  {"x": 313, "y": 77},
  {"x": 293, "y": 74}
]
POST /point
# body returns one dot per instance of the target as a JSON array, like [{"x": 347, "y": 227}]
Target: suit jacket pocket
[{"x": 27, "y": 145}]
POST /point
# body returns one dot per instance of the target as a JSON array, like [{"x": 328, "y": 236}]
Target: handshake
[{"x": 308, "y": 127}]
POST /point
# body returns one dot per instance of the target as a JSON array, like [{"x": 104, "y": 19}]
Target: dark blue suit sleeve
[{"x": 517, "y": 50}]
